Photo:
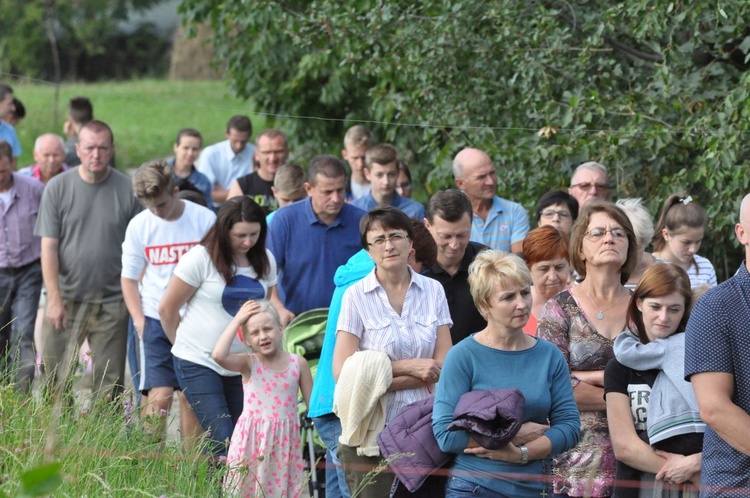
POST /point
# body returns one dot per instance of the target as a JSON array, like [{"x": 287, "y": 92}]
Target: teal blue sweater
[{"x": 541, "y": 374}]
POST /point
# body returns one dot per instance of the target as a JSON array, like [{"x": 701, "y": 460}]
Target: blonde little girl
[{"x": 265, "y": 452}]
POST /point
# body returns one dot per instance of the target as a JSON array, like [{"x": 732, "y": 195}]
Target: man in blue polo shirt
[
  {"x": 311, "y": 238},
  {"x": 497, "y": 223},
  {"x": 717, "y": 362}
]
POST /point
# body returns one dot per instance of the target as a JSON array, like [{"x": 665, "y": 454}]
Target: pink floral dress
[{"x": 265, "y": 452}]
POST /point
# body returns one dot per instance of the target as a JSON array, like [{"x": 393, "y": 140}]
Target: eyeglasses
[
  {"x": 394, "y": 238},
  {"x": 598, "y": 233},
  {"x": 550, "y": 213},
  {"x": 589, "y": 186}
]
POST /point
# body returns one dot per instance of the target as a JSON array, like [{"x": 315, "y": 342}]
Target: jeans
[
  {"x": 19, "y": 299},
  {"x": 216, "y": 400},
  {"x": 459, "y": 488},
  {"x": 329, "y": 429}
]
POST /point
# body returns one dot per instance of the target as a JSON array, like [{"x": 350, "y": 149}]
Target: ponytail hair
[{"x": 679, "y": 211}]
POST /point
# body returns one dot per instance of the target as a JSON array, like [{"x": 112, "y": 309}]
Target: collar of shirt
[
  {"x": 371, "y": 283},
  {"x": 313, "y": 219}
]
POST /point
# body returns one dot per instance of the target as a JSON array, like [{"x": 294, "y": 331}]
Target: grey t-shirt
[{"x": 89, "y": 221}]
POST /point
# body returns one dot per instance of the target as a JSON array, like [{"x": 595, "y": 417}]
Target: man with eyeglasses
[
  {"x": 590, "y": 181},
  {"x": 271, "y": 152},
  {"x": 496, "y": 222},
  {"x": 82, "y": 221}
]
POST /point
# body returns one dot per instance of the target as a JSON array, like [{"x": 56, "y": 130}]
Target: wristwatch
[{"x": 524, "y": 454}]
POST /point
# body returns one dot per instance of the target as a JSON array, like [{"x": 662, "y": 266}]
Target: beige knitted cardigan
[{"x": 359, "y": 400}]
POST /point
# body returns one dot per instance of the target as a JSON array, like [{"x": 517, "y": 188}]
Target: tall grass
[
  {"x": 145, "y": 115},
  {"x": 101, "y": 451}
]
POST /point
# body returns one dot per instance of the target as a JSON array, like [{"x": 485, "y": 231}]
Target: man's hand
[{"x": 56, "y": 315}]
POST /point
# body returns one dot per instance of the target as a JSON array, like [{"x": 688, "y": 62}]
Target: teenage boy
[
  {"x": 155, "y": 240},
  {"x": 356, "y": 142},
  {"x": 381, "y": 170},
  {"x": 288, "y": 187}
]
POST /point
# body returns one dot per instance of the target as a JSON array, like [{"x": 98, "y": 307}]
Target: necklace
[{"x": 600, "y": 315}]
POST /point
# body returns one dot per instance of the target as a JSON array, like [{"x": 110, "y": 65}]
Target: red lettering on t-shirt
[{"x": 169, "y": 254}]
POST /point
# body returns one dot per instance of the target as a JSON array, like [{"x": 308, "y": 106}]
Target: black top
[
  {"x": 637, "y": 386},
  {"x": 260, "y": 190},
  {"x": 466, "y": 317}
]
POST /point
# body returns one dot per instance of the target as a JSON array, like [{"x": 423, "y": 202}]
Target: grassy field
[
  {"x": 97, "y": 451},
  {"x": 145, "y": 115}
]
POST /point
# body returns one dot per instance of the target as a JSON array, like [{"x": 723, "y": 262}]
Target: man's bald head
[
  {"x": 745, "y": 210},
  {"x": 49, "y": 154}
]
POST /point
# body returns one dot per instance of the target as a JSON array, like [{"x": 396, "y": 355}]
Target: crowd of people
[{"x": 594, "y": 355}]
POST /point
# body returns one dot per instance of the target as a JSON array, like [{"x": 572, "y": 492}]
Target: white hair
[{"x": 639, "y": 216}]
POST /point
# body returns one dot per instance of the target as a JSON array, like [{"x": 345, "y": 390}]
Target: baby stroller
[{"x": 304, "y": 336}]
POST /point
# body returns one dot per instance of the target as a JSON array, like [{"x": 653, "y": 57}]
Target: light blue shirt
[
  {"x": 507, "y": 223},
  {"x": 413, "y": 209},
  {"x": 8, "y": 133},
  {"x": 221, "y": 165}
]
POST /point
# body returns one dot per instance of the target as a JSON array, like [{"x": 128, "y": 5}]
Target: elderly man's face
[
  {"x": 49, "y": 155},
  {"x": 589, "y": 184}
]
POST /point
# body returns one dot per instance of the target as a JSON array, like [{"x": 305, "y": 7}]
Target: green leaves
[
  {"x": 655, "y": 91},
  {"x": 40, "y": 481}
]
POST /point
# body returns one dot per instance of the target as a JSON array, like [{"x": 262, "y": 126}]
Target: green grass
[
  {"x": 145, "y": 115},
  {"x": 99, "y": 453}
]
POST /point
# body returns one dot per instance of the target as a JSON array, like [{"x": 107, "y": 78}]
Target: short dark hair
[
  {"x": 381, "y": 154},
  {"x": 217, "y": 240},
  {"x": 80, "y": 110},
  {"x": 403, "y": 168},
  {"x": 425, "y": 248},
  {"x": 384, "y": 216},
  {"x": 241, "y": 124},
  {"x": 188, "y": 132},
  {"x": 450, "y": 205},
  {"x": 270, "y": 134},
  {"x": 555, "y": 197},
  {"x": 326, "y": 165},
  {"x": 6, "y": 150},
  {"x": 5, "y": 90},
  {"x": 20, "y": 111},
  {"x": 97, "y": 126},
  {"x": 579, "y": 231}
]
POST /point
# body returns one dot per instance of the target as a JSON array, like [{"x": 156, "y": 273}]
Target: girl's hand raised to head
[{"x": 247, "y": 310}]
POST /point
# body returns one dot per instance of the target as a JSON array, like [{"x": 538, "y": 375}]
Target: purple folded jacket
[
  {"x": 493, "y": 417},
  {"x": 409, "y": 434}
]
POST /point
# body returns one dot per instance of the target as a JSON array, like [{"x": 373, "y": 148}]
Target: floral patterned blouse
[{"x": 589, "y": 468}]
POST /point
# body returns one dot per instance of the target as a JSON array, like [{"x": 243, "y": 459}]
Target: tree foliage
[
  {"x": 655, "y": 90},
  {"x": 86, "y": 33}
]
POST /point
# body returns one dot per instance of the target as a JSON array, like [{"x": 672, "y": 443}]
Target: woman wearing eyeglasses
[
  {"x": 583, "y": 322},
  {"x": 396, "y": 311},
  {"x": 557, "y": 208}
]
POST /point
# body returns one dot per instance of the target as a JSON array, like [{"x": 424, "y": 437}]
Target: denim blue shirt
[
  {"x": 716, "y": 340},
  {"x": 308, "y": 252},
  {"x": 199, "y": 181},
  {"x": 8, "y": 133},
  {"x": 413, "y": 209}
]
